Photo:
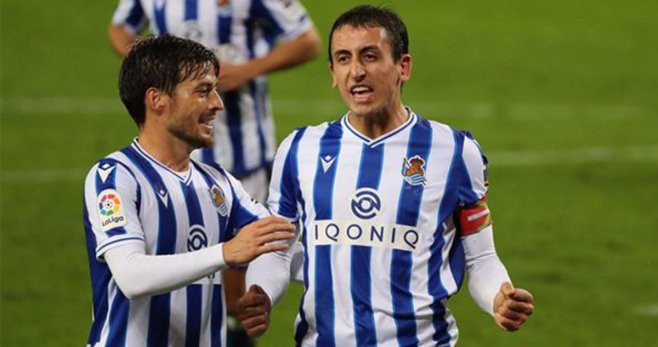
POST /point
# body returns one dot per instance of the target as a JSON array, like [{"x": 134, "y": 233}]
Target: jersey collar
[
  {"x": 413, "y": 118},
  {"x": 183, "y": 176}
]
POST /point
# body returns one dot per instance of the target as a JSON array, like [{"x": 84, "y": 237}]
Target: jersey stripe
[
  {"x": 118, "y": 320},
  {"x": 370, "y": 172},
  {"x": 135, "y": 15},
  {"x": 216, "y": 316},
  {"x": 322, "y": 201},
  {"x": 193, "y": 327},
  {"x": 233, "y": 120},
  {"x": 194, "y": 294},
  {"x": 159, "y": 8},
  {"x": 420, "y": 140},
  {"x": 287, "y": 202},
  {"x": 160, "y": 307},
  {"x": 448, "y": 203},
  {"x": 191, "y": 10},
  {"x": 100, "y": 277}
]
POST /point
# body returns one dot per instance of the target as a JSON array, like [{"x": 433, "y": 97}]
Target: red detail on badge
[{"x": 473, "y": 218}]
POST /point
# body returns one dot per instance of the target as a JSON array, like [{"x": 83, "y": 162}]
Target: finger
[
  {"x": 520, "y": 306},
  {"x": 252, "y": 313},
  {"x": 507, "y": 289},
  {"x": 271, "y": 247},
  {"x": 522, "y": 295},
  {"x": 275, "y": 236},
  {"x": 512, "y": 315},
  {"x": 506, "y": 323},
  {"x": 252, "y": 299},
  {"x": 274, "y": 227},
  {"x": 251, "y": 322},
  {"x": 257, "y": 330}
]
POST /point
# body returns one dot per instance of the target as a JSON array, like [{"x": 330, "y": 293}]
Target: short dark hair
[
  {"x": 368, "y": 16},
  {"x": 160, "y": 62}
]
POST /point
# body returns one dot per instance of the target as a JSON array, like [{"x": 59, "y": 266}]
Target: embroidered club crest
[
  {"x": 413, "y": 171},
  {"x": 217, "y": 197}
]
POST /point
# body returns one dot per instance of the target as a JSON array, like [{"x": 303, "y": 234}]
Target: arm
[
  {"x": 128, "y": 21},
  {"x": 488, "y": 281},
  {"x": 138, "y": 274},
  {"x": 121, "y": 39},
  {"x": 284, "y": 55}
]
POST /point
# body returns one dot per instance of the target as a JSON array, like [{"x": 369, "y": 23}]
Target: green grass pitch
[{"x": 562, "y": 95}]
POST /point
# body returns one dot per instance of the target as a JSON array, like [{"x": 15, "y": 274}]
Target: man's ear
[
  {"x": 404, "y": 65},
  {"x": 155, "y": 100},
  {"x": 334, "y": 84}
]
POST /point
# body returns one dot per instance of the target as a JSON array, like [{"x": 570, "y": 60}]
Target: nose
[
  {"x": 357, "y": 70},
  {"x": 216, "y": 102}
]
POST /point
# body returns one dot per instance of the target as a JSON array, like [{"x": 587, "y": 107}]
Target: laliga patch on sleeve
[
  {"x": 110, "y": 210},
  {"x": 473, "y": 218}
]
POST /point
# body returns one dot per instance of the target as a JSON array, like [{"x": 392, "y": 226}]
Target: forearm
[
  {"x": 138, "y": 274},
  {"x": 287, "y": 54},
  {"x": 121, "y": 39},
  {"x": 272, "y": 273},
  {"x": 486, "y": 273}
]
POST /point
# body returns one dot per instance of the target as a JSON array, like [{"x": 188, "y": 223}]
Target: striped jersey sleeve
[
  {"x": 473, "y": 215},
  {"x": 111, "y": 201},
  {"x": 284, "y": 19},
  {"x": 244, "y": 209},
  {"x": 284, "y": 184},
  {"x": 130, "y": 14}
]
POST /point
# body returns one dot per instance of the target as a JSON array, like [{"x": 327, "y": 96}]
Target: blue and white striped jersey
[
  {"x": 130, "y": 197},
  {"x": 382, "y": 253},
  {"x": 237, "y": 30}
]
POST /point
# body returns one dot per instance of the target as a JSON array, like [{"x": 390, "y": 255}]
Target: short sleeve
[
  {"x": 111, "y": 203},
  {"x": 474, "y": 183},
  {"x": 282, "y": 199},
  {"x": 130, "y": 14},
  {"x": 284, "y": 19},
  {"x": 473, "y": 213},
  {"x": 244, "y": 209}
]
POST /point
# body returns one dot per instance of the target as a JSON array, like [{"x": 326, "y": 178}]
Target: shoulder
[{"x": 113, "y": 169}]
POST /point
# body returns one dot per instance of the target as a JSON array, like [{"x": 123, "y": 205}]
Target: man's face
[
  {"x": 363, "y": 69},
  {"x": 193, "y": 106}
]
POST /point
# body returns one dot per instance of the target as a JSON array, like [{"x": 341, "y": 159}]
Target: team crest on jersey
[
  {"x": 219, "y": 200},
  {"x": 110, "y": 210},
  {"x": 413, "y": 170}
]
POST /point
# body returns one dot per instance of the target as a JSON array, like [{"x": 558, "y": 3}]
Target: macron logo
[
  {"x": 164, "y": 197},
  {"x": 104, "y": 171},
  {"x": 327, "y": 161}
]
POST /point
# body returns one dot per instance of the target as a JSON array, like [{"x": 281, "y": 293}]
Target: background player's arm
[
  {"x": 121, "y": 39},
  {"x": 284, "y": 55}
]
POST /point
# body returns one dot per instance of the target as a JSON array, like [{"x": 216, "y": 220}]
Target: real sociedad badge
[
  {"x": 217, "y": 197},
  {"x": 413, "y": 171}
]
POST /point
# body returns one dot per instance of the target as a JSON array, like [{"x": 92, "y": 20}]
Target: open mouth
[
  {"x": 207, "y": 123},
  {"x": 361, "y": 92}
]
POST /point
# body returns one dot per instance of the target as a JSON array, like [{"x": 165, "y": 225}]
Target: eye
[
  {"x": 342, "y": 59},
  {"x": 370, "y": 57}
]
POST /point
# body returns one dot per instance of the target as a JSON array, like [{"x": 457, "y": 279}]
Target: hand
[
  {"x": 257, "y": 238},
  {"x": 254, "y": 311},
  {"x": 512, "y": 307},
  {"x": 234, "y": 76}
]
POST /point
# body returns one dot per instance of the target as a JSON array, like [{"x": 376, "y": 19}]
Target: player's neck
[
  {"x": 380, "y": 123},
  {"x": 168, "y": 150}
]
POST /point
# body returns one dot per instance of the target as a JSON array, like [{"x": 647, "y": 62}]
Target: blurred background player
[
  {"x": 393, "y": 211},
  {"x": 252, "y": 38},
  {"x": 159, "y": 226}
]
